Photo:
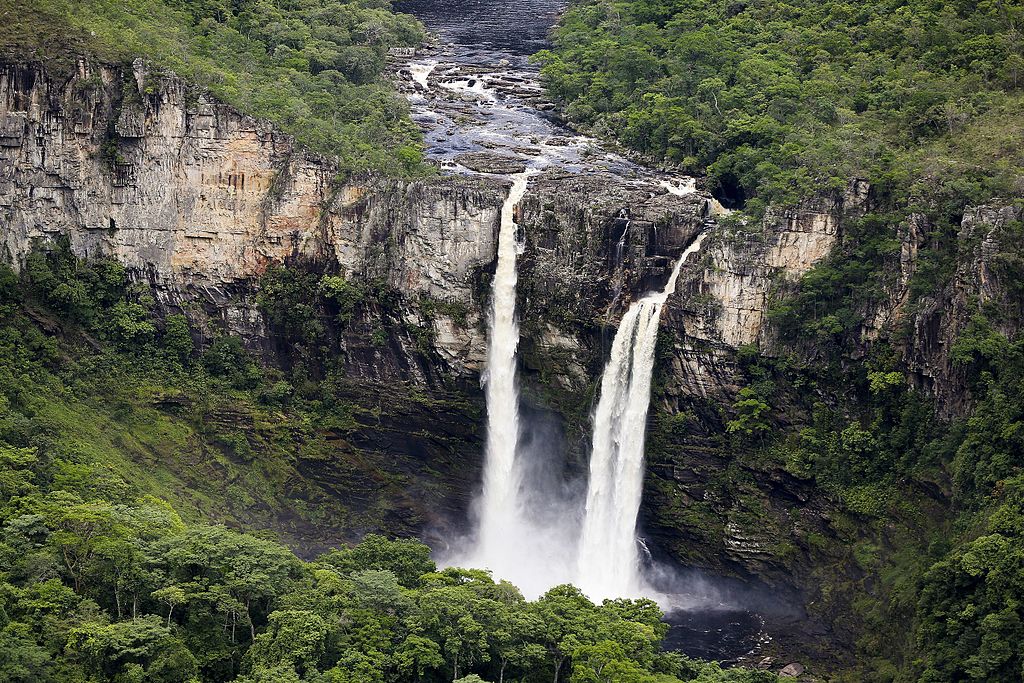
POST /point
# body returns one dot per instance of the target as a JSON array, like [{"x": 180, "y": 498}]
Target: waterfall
[
  {"x": 500, "y": 510},
  {"x": 608, "y": 561}
]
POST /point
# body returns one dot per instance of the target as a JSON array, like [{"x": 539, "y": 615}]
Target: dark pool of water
[
  {"x": 518, "y": 27},
  {"x": 729, "y": 636}
]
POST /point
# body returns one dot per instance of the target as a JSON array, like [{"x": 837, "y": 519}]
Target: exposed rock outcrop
[
  {"x": 987, "y": 237},
  {"x": 198, "y": 201}
]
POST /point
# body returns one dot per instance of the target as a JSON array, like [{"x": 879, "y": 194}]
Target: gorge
[
  {"x": 542, "y": 349},
  {"x": 464, "y": 98}
]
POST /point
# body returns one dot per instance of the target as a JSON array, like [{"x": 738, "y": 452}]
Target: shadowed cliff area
[{"x": 236, "y": 293}]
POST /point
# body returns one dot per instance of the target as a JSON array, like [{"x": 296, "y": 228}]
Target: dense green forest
[
  {"x": 102, "y": 580},
  {"x": 777, "y": 102},
  {"x": 774, "y": 101},
  {"x": 313, "y": 68}
]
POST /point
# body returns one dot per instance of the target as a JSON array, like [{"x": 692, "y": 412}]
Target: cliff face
[
  {"x": 198, "y": 201},
  {"x": 987, "y": 239}
]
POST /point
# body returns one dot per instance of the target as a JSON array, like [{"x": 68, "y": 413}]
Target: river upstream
[
  {"x": 479, "y": 100},
  {"x": 480, "y": 105}
]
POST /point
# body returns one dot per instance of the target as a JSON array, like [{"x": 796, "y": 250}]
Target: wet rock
[{"x": 490, "y": 162}]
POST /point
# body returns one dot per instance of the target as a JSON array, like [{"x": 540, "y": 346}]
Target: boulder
[{"x": 792, "y": 670}]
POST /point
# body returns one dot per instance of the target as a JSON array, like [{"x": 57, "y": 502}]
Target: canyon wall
[{"x": 198, "y": 201}]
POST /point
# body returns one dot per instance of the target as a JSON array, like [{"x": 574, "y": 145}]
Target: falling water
[
  {"x": 608, "y": 561},
  {"x": 501, "y": 513}
]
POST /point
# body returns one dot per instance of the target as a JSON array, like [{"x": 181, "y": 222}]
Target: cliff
[{"x": 199, "y": 201}]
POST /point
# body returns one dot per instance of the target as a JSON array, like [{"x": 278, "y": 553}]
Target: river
[{"x": 479, "y": 102}]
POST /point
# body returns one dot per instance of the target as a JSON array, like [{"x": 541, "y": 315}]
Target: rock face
[
  {"x": 988, "y": 236},
  {"x": 199, "y": 201}
]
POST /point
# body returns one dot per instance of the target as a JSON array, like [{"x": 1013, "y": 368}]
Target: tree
[
  {"x": 80, "y": 530},
  {"x": 177, "y": 338},
  {"x": 417, "y": 655},
  {"x": 407, "y": 559},
  {"x": 565, "y": 614},
  {"x": 295, "y": 638},
  {"x": 22, "y": 660},
  {"x": 172, "y": 596},
  {"x": 448, "y": 615},
  {"x": 752, "y": 413},
  {"x": 145, "y": 646}
]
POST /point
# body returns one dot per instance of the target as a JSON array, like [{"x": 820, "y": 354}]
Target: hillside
[
  {"x": 314, "y": 69},
  {"x": 777, "y": 102},
  {"x": 247, "y": 315}
]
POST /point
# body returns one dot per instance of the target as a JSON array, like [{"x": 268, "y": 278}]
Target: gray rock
[
  {"x": 490, "y": 162},
  {"x": 792, "y": 670}
]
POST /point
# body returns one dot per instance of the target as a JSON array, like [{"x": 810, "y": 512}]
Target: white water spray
[
  {"x": 609, "y": 563},
  {"x": 508, "y": 542},
  {"x": 499, "y": 503},
  {"x": 421, "y": 72},
  {"x": 681, "y": 187}
]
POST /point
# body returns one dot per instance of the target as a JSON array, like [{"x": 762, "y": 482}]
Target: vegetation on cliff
[
  {"x": 315, "y": 68},
  {"x": 777, "y": 102},
  {"x": 103, "y": 580}
]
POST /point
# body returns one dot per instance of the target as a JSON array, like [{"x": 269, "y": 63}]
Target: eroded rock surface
[{"x": 199, "y": 201}]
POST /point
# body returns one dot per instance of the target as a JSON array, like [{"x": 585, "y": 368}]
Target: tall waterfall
[
  {"x": 500, "y": 509},
  {"x": 608, "y": 561}
]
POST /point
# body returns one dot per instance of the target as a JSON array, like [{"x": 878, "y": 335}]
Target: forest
[
  {"x": 103, "y": 580},
  {"x": 137, "y": 445},
  {"x": 774, "y": 101}
]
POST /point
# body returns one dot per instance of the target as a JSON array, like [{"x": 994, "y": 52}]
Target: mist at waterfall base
[
  {"x": 519, "y": 537},
  {"x": 532, "y": 527}
]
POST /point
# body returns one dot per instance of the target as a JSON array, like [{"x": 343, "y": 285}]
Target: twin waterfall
[
  {"x": 512, "y": 540},
  {"x": 609, "y": 565}
]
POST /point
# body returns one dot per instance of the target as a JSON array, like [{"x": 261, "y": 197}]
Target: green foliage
[
  {"x": 227, "y": 358},
  {"x": 80, "y": 290},
  {"x": 970, "y": 605},
  {"x": 103, "y": 582},
  {"x": 313, "y": 67},
  {"x": 177, "y": 338},
  {"x": 696, "y": 671},
  {"x": 751, "y": 412},
  {"x": 408, "y": 561},
  {"x": 781, "y": 100},
  {"x": 345, "y": 295},
  {"x": 289, "y": 301},
  {"x": 154, "y": 600},
  {"x": 143, "y": 649}
]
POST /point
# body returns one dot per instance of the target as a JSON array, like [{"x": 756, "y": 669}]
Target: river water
[{"x": 479, "y": 102}]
